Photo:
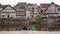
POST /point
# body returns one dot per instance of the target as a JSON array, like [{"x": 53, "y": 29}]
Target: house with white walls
[{"x": 8, "y": 12}]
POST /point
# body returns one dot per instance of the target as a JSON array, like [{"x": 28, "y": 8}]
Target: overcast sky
[{"x": 13, "y": 2}]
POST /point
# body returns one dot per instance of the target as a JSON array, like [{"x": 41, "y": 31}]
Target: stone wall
[{"x": 12, "y": 25}]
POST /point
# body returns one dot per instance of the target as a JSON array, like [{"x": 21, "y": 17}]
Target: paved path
[{"x": 29, "y": 32}]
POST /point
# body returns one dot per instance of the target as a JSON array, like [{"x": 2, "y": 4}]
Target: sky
[{"x": 14, "y": 2}]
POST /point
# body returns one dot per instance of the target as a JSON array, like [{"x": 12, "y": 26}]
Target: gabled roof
[
  {"x": 50, "y": 4},
  {"x": 0, "y": 5},
  {"x": 7, "y": 6},
  {"x": 30, "y": 4},
  {"x": 46, "y": 6},
  {"x": 18, "y": 4}
]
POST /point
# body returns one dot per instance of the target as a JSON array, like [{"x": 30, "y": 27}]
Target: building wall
[
  {"x": 32, "y": 10},
  {"x": 8, "y": 11},
  {"x": 52, "y": 12},
  {"x": 20, "y": 10},
  {"x": 52, "y": 8}
]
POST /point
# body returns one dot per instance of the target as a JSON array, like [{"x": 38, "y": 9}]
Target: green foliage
[
  {"x": 38, "y": 16},
  {"x": 36, "y": 19},
  {"x": 34, "y": 23}
]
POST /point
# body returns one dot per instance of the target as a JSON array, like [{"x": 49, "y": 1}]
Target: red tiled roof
[{"x": 44, "y": 6}]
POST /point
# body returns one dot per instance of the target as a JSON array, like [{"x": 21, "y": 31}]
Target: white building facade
[
  {"x": 31, "y": 10},
  {"x": 52, "y": 12},
  {"x": 8, "y": 12}
]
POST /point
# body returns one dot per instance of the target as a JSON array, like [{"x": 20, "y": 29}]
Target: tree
[{"x": 38, "y": 17}]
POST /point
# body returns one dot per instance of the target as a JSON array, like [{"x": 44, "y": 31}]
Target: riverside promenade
[{"x": 29, "y": 32}]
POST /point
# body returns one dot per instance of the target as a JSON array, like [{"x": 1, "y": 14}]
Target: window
[
  {"x": 50, "y": 15},
  {"x": 12, "y": 16},
  {"x": 29, "y": 9},
  {"x": 21, "y": 13},
  {"x": 22, "y": 7},
  {"x": 8, "y": 12},
  {"x": 3, "y": 16}
]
